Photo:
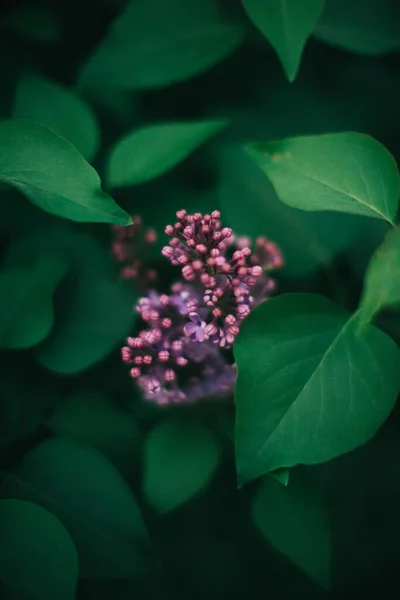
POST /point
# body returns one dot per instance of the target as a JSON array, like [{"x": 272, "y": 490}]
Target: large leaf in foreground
[
  {"x": 286, "y": 24},
  {"x": 294, "y": 520},
  {"x": 153, "y": 44},
  {"x": 311, "y": 384},
  {"x": 382, "y": 279},
  {"x": 348, "y": 172},
  {"x": 53, "y": 174},
  {"x": 86, "y": 493},
  {"x": 38, "y": 560}
]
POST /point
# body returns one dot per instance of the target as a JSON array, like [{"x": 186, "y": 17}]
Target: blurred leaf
[
  {"x": 250, "y": 206},
  {"x": 59, "y": 109},
  {"x": 53, "y": 174},
  {"x": 180, "y": 457},
  {"x": 36, "y": 23},
  {"x": 349, "y": 172},
  {"x": 310, "y": 385},
  {"x": 363, "y": 26},
  {"x": 82, "y": 489},
  {"x": 38, "y": 560},
  {"x": 154, "y": 44},
  {"x": 93, "y": 310},
  {"x": 382, "y": 280},
  {"x": 89, "y": 416},
  {"x": 282, "y": 475},
  {"x": 26, "y": 301},
  {"x": 294, "y": 520},
  {"x": 151, "y": 151},
  {"x": 287, "y": 24}
]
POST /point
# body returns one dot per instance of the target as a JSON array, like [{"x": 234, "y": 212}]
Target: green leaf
[
  {"x": 382, "y": 279},
  {"x": 151, "y": 45},
  {"x": 287, "y": 24},
  {"x": 294, "y": 520},
  {"x": 91, "y": 417},
  {"x": 38, "y": 560},
  {"x": 282, "y": 475},
  {"x": 311, "y": 385},
  {"x": 362, "y": 26},
  {"x": 180, "y": 457},
  {"x": 250, "y": 206},
  {"x": 54, "y": 175},
  {"x": 37, "y": 23},
  {"x": 27, "y": 314},
  {"x": 94, "y": 310},
  {"x": 349, "y": 172},
  {"x": 59, "y": 109},
  {"x": 151, "y": 151},
  {"x": 87, "y": 494}
]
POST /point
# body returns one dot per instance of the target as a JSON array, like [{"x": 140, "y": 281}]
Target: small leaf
[
  {"x": 370, "y": 28},
  {"x": 27, "y": 314},
  {"x": 59, "y": 109},
  {"x": 82, "y": 489},
  {"x": 151, "y": 151},
  {"x": 287, "y": 24},
  {"x": 382, "y": 280},
  {"x": 90, "y": 417},
  {"x": 54, "y": 175},
  {"x": 38, "y": 560},
  {"x": 310, "y": 385},
  {"x": 152, "y": 45},
  {"x": 282, "y": 475},
  {"x": 349, "y": 172},
  {"x": 180, "y": 457},
  {"x": 294, "y": 520}
]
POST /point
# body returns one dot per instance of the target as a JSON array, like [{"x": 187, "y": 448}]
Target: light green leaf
[
  {"x": 249, "y": 204},
  {"x": 154, "y": 44},
  {"x": 91, "y": 417},
  {"x": 38, "y": 560},
  {"x": 287, "y": 24},
  {"x": 311, "y": 385},
  {"x": 294, "y": 520},
  {"x": 87, "y": 494},
  {"x": 26, "y": 300},
  {"x": 349, "y": 172},
  {"x": 180, "y": 457},
  {"x": 54, "y": 175},
  {"x": 369, "y": 27},
  {"x": 153, "y": 150},
  {"x": 59, "y": 109},
  {"x": 382, "y": 279}
]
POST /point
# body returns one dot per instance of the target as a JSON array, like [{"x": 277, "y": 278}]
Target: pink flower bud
[
  {"x": 135, "y": 372},
  {"x": 167, "y": 251},
  {"x": 201, "y": 248},
  {"x": 216, "y": 214},
  {"x": 147, "y": 359},
  {"x": 181, "y": 214},
  {"x": 163, "y": 356},
  {"x": 166, "y": 323},
  {"x": 169, "y": 230},
  {"x": 256, "y": 271},
  {"x": 169, "y": 375}
]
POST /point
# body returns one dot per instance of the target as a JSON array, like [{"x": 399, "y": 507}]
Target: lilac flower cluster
[
  {"x": 179, "y": 355},
  {"x": 129, "y": 247}
]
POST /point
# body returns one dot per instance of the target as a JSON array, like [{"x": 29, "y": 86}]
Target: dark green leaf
[
  {"x": 287, "y": 24},
  {"x": 369, "y": 27},
  {"x": 294, "y": 520},
  {"x": 59, "y": 109},
  {"x": 251, "y": 207},
  {"x": 53, "y": 174},
  {"x": 38, "y": 560},
  {"x": 180, "y": 458},
  {"x": 82, "y": 489},
  {"x": 26, "y": 300},
  {"x": 37, "y": 23},
  {"x": 90, "y": 417},
  {"x": 382, "y": 280},
  {"x": 349, "y": 172},
  {"x": 311, "y": 385},
  {"x": 151, "y": 151},
  {"x": 154, "y": 44}
]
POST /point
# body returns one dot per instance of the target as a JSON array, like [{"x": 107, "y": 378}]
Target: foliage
[{"x": 280, "y": 115}]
